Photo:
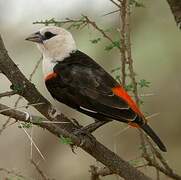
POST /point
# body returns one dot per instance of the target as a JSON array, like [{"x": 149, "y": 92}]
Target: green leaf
[
  {"x": 141, "y": 102},
  {"x": 118, "y": 77},
  {"x": 115, "y": 44},
  {"x": 65, "y": 140},
  {"x": 115, "y": 69},
  {"x": 129, "y": 87},
  {"x": 108, "y": 47},
  {"x": 144, "y": 83},
  {"x": 25, "y": 125}
]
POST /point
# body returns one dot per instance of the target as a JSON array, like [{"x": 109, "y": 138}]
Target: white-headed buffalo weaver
[{"x": 73, "y": 78}]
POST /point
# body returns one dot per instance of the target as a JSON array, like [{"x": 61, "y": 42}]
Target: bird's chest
[{"x": 48, "y": 65}]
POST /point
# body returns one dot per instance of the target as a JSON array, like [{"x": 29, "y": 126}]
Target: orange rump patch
[
  {"x": 51, "y": 76},
  {"x": 119, "y": 91},
  {"x": 132, "y": 124}
]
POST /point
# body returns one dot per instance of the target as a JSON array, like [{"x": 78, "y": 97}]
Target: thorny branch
[
  {"x": 8, "y": 93},
  {"x": 90, "y": 145},
  {"x": 84, "y": 21},
  {"x": 123, "y": 17},
  {"x": 165, "y": 168},
  {"x": 19, "y": 98},
  {"x": 41, "y": 173},
  {"x": 175, "y": 6},
  {"x": 115, "y": 3},
  {"x": 97, "y": 172},
  {"x": 126, "y": 58}
]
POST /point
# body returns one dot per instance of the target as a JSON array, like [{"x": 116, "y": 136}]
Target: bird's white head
[{"x": 54, "y": 42}]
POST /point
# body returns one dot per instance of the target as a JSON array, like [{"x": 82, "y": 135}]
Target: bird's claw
[
  {"x": 76, "y": 123},
  {"x": 81, "y": 132}
]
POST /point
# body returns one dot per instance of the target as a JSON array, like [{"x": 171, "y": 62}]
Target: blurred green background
[{"x": 156, "y": 44}]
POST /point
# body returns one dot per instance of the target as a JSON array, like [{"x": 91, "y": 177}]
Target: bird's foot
[
  {"x": 53, "y": 112},
  {"x": 85, "y": 132},
  {"x": 76, "y": 123},
  {"x": 84, "y": 135},
  {"x": 81, "y": 132},
  {"x": 94, "y": 126}
]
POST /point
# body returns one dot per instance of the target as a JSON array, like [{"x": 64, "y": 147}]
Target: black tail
[{"x": 153, "y": 136}]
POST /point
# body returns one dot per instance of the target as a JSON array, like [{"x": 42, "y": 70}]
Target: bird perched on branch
[{"x": 75, "y": 79}]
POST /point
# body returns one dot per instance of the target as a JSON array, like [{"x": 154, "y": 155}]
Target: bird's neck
[
  {"x": 49, "y": 62},
  {"x": 58, "y": 53},
  {"x": 48, "y": 65}
]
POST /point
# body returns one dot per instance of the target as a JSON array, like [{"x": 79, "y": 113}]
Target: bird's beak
[{"x": 36, "y": 37}]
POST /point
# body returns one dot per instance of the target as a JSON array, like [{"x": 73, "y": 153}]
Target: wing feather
[{"x": 88, "y": 85}]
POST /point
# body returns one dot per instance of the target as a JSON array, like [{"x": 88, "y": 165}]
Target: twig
[
  {"x": 112, "y": 12},
  {"x": 154, "y": 164},
  {"x": 8, "y": 93},
  {"x": 84, "y": 21},
  {"x": 32, "y": 141},
  {"x": 41, "y": 173},
  {"x": 35, "y": 68},
  {"x": 104, "y": 171},
  {"x": 18, "y": 107},
  {"x": 98, "y": 28},
  {"x": 128, "y": 49},
  {"x": 159, "y": 156},
  {"x": 115, "y": 4},
  {"x": 175, "y": 6},
  {"x": 125, "y": 34},
  {"x": 123, "y": 14},
  {"x": 59, "y": 23},
  {"x": 19, "y": 98},
  {"x": 96, "y": 172}
]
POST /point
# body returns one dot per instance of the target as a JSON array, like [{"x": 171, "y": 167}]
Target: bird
[{"x": 76, "y": 80}]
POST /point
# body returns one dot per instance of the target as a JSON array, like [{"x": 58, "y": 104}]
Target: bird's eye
[{"x": 48, "y": 35}]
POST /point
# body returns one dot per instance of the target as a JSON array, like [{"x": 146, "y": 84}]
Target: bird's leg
[
  {"x": 87, "y": 130},
  {"x": 93, "y": 126},
  {"x": 90, "y": 128}
]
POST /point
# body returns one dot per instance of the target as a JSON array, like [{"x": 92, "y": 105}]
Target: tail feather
[{"x": 153, "y": 136}]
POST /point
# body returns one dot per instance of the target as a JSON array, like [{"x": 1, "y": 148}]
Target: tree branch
[
  {"x": 40, "y": 172},
  {"x": 175, "y": 6},
  {"x": 96, "y": 172},
  {"x": 91, "y": 146},
  {"x": 8, "y": 93}
]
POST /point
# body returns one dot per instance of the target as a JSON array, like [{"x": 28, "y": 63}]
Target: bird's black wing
[{"x": 84, "y": 85}]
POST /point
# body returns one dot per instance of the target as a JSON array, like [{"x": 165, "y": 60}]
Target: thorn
[
  {"x": 112, "y": 12},
  {"x": 120, "y": 132},
  {"x": 31, "y": 140},
  {"x": 152, "y": 115},
  {"x": 53, "y": 112}
]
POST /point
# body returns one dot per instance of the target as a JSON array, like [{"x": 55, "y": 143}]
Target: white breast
[{"x": 48, "y": 65}]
